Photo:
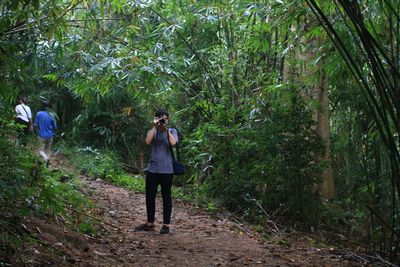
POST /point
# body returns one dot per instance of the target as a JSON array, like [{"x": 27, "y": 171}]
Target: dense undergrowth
[
  {"x": 29, "y": 190},
  {"x": 268, "y": 161},
  {"x": 102, "y": 164}
]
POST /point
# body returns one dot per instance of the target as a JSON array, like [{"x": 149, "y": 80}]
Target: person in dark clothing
[{"x": 159, "y": 170}]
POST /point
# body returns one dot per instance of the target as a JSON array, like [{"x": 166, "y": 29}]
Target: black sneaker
[
  {"x": 47, "y": 163},
  {"x": 144, "y": 227},
  {"x": 164, "y": 229}
]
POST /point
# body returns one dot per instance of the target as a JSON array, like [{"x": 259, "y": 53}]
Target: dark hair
[
  {"x": 161, "y": 112},
  {"x": 24, "y": 99},
  {"x": 45, "y": 104}
]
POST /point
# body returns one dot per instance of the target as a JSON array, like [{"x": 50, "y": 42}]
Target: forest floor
[{"x": 196, "y": 238}]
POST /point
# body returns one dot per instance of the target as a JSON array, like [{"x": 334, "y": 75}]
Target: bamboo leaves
[{"x": 372, "y": 61}]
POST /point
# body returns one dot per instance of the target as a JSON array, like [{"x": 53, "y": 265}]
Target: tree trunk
[{"x": 321, "y": 91}]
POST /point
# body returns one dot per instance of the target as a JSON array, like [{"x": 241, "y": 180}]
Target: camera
[{"x": 161, "y": 121}]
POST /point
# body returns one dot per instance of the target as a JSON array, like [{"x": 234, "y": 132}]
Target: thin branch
[
  {"x": 95, "y": 19},
  {"x": 18, "y": 28}
]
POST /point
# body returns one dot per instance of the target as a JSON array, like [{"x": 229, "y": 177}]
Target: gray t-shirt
[{"x": 160, "y": 157}]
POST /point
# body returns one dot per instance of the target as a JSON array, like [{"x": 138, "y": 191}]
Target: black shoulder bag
[{"x": 179, "y": 168}]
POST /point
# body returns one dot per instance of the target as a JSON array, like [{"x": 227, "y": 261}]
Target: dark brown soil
[{"x": 196, "y": 238}]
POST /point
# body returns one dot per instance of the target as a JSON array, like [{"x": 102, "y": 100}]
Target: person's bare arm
[
  {"x": 30, "y": 125},
  {"x": 172, "y": 139},
  {"x": 150, "y": 135}
]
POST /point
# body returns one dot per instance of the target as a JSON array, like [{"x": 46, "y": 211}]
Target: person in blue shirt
[
  {"x": 45, "y": 125},
  {"x": 159, "y": 170}
]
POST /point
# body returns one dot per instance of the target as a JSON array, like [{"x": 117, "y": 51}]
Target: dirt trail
[{"x": 197, "y": 239}]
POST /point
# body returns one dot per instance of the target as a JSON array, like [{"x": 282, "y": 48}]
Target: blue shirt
[
  {"x": 160, "y": 157},
  {"x": 46, "y": 124}
]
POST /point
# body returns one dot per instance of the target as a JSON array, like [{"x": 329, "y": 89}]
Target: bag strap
[
  {"x": 27, "y": 115},
  {"x": 172, "y": 151}
]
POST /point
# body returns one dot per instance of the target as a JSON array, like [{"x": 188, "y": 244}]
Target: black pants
[
  {"x": 152, "y": 182},
  {"x": 23, "y": 133}
]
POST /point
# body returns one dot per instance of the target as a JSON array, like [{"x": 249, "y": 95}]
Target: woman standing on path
[{"x": 159, "y": 170}]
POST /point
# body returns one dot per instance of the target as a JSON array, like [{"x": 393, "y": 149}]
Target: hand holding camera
[{"x": 159, "y": 121}]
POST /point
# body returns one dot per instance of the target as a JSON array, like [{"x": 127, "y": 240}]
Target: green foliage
[
  {"x": 28, "y": 189},
  {"x": 365, "y": 116},
  {"x": 95, "y": 163},
  {"x": 270, "y": 158},
  {"x": 104, "y": 165},
  {"x": 16, "y": 169},
  {"x": 114, "y": 122}
]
